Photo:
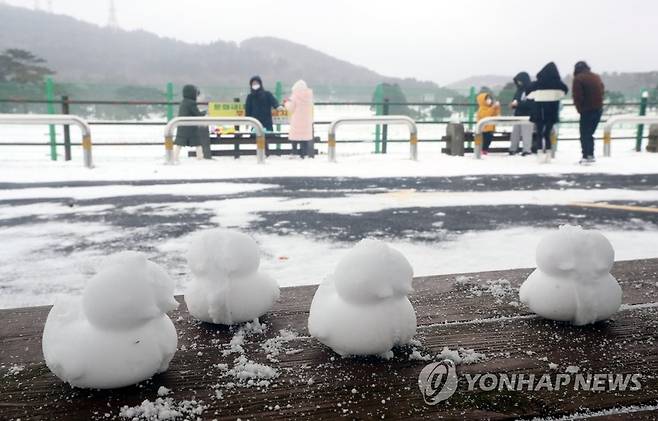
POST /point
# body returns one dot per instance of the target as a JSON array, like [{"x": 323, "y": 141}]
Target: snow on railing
[
  {"x": 391, "y": 119},
  {"x": 206, "y": 121},
  {"x": 509, "y": 121},
  {"x": 50, "y": 119},
  {"x": 607, "y": 132}
]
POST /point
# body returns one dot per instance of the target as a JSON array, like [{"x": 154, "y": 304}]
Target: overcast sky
[{"x": 442, "y": 41}]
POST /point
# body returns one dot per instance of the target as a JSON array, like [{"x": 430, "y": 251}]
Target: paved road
[{"x": 411, "y": 223}]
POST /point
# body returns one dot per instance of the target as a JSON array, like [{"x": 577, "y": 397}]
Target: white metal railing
[
  {"x": 206, "y": 121},
  {"x": 51, "y": 119},
  {"x": 612, "y": 121},
  {"x": 509, "y": 121},
  {"x": 391, "y": 119}
]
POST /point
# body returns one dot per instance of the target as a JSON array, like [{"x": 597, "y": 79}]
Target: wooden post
[
  {"x": 456, "y": 137},
  {"x": 652, "y": 146}
]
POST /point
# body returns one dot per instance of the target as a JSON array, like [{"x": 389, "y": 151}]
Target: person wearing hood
[
  {"x": 522, "y": 107},
  {"x": 260, "y": 103},
  {"x": 588, "y": 92},
  {"x": 300, "y": 106},
  {"x": 188, "y": 135},
  {"x": 487, "y": 107},
  {"x": 546, "y": 91}
]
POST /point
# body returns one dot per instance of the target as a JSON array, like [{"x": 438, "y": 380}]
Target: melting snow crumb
[
  {"x": 163, "y": 409},
  {"x": 249, "y": 373},
  {"x": 572, "y": 369},
  {"x": 273, "y": 345},
  {"x": 15, "y": 369},
  {"x": 552, "y": 366},
  {"x": 462, "y": 356},
  {"x": 163, "y": 391},
  {"x": 416, "y": 355}
]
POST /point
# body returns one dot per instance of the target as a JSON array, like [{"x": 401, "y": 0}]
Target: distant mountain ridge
[{"x": 83, "y": 52}]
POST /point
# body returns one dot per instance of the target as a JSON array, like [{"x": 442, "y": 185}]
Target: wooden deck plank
[{"x": 449, "y": 315}]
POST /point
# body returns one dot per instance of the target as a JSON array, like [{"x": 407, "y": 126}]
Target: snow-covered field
[{"x": 48, "y": 255}]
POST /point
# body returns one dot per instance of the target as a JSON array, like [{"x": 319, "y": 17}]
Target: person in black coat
[
  {"x": 522, "y": 107},
  {"x": 189, "y": 135},
  {"x": 260, "y": 103},
  {"x": 546, "y": 91}
]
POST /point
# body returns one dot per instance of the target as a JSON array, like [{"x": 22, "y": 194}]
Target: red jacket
[{"x": 588, "y": 91}]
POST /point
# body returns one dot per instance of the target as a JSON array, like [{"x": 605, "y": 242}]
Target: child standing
[
  {"x": 300, "y": 105},
  {"x": 188, "y": 135},
  {"x": 487, "y": 107}
]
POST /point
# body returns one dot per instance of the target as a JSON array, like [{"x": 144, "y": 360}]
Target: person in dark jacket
[
  {"x": 522, "y": 106},
  {"x": 546, "y": 91},
  {"x": 188, "y": 135},
  {"x": 260, "y": 103},
  {"x": 588, "y": 91}
]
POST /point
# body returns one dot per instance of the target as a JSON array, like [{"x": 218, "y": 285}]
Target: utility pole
[
  {"x": 37, "y": 5},
  {"x": 50, "y": 6},
  {"x": 112, "y": 22}
]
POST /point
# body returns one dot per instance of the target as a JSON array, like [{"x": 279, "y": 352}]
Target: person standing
[
  {"x": 260, "y": 103},
  {"x": 546, "y": 91},
  {"x": 487, "y": 107},
  {"x": 522, "y": 107},
  {"x": 588, "y": 92},
  {"x": 300, "y": 105},
  {"x": 188, "y": 135}
]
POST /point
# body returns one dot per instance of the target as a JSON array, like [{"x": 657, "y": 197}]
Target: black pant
[
  {"x": 487, "y": 137},
  {"x": 306, "y": 148},
  {"x": 589, "y": 120},
  {"x": 544, "y": 132}
]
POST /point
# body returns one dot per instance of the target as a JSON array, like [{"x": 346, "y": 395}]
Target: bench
[
  {"x": 469, "y": 137},
  {"x": 233, "y": 145},
  {"x": 454, "y": 311}
]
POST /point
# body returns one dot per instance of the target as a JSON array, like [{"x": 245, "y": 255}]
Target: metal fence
[{"x": 422, "y": 115}]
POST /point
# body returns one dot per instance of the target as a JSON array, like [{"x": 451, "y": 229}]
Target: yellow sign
[
  {"x": 236, "y": 109},
  {"x": 226, "y": 109}
]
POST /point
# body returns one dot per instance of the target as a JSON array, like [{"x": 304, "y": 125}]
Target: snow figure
[
  {"x": 227, "y": 287},
  {"x": 118, "y": 333},
  {"x": 573, "y": 282},
  {"x": 363, "y": 308}
]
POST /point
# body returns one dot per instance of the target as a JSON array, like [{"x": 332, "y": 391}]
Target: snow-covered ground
[{"x": 48, "y": 255}]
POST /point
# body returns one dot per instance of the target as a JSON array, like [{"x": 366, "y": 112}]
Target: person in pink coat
[{"x": 300, "y": 106}]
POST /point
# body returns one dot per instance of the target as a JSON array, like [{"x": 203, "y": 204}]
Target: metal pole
[
  {"x": 413, "y": 146},
  {"x": 331, "y": 147},
  {"x": 385, "y": 110},
  {"x": 471, "y": 111},
  {"x": 206, "y": 121},
  {"x": 391, "y": 119},
  {"x": 278, "y": 94},
  {"x": 52, "y": 119},
  {"x": 236, "y": 144},
  {"x": 50, "y": 96},
  {"x": 379, "y": 110},
  {"x": 67, "y": 129},
  {"x": 492, "y": 120},
  {"x": 170, "y": 100},
  {"x": 640, "y": 128},
  {"x": 607, "y": 133}
]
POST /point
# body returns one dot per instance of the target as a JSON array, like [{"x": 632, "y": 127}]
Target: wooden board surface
[{"x": 472, "y": 311}]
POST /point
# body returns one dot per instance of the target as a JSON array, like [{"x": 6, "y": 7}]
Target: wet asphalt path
[{"x": 409, "y": 223}]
